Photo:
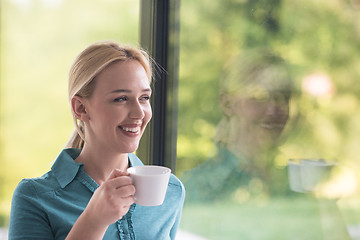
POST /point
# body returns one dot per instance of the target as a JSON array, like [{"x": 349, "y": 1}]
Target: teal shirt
[{"x": 47, "y": 207}]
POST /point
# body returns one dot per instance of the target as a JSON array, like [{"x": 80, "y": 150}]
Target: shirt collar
[
  {"x": 134, "y": 160},
  {"x": 65, "y": 168}
]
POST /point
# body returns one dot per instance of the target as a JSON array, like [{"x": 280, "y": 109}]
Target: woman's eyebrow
[
  {"x": 129, "y": 91},
  {"x": 121, "y": 91}
]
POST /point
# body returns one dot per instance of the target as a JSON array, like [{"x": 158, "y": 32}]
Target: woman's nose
[
  {"x": 271, "y": 108},
  {"x": 275, "y": 108},
  {"x": 137, "y": 111}
]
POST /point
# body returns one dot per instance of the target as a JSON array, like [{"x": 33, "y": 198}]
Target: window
[
  {"x": 159, "y": 30},
  {"x": 263, "y": 82}
]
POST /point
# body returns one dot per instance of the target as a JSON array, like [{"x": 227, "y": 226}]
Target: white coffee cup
[
  {"x": 150, "y": 184},
  {"x": 314, "y": 173},
  {"x": 306, "y": 174},
  {"x": 295, "y": 176}
]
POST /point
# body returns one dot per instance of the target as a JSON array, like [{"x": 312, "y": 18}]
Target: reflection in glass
[
  {"x": 242, "y": 186},
  {"x": 233, "y": 162},
  {"x": 255, "y": 91}
]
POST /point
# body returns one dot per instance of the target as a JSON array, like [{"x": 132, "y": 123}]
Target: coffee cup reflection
[{"x": 305, "y": 175}]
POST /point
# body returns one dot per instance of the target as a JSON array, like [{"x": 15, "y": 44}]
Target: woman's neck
[{"x": 99, "y": 164}]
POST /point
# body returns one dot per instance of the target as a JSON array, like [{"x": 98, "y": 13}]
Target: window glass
[
  {"x": 39, "y": 41},
  {"x": 268, "y": 126}
]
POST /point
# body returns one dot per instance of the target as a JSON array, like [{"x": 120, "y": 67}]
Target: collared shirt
[
  {"x": 47, "y": 207},
  {"x": 221, "y": 176}
]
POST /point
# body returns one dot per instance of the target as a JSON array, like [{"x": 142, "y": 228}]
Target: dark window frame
[{"x": 159, "y": 35}]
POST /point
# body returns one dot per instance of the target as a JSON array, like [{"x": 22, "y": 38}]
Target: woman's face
[
  {"x": 264, "y": 112},
  {"x": 119, "y": 108}
]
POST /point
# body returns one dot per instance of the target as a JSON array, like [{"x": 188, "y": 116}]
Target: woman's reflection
[{"x": 255, "y": 91}]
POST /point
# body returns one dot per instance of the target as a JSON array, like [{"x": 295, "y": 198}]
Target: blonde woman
[
  {"x": 87, "y": 194},
  {"x": 255, "y": 90}
]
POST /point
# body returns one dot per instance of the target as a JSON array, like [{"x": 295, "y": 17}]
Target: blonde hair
[
  {"x": 253, "y": 67},
  {"x": 89, "y": 63}
]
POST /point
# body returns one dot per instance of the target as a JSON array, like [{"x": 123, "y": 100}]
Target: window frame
[{"x": 159, "y": 35}]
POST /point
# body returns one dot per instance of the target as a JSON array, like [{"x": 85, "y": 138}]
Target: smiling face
[
  {"x": 119, "y": 108},
  {"x": 265, "y": 109},
  {"x": 257, "y": 117}
]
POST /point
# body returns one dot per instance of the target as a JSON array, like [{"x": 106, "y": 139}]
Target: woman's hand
[
  {"x": 112, "y": 199},
  {"x": 109, "y": 203}
]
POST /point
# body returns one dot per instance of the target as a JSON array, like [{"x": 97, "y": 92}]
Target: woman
[
  {"x": 254, "y": 97},
  {"x": 88, "y": 194}
]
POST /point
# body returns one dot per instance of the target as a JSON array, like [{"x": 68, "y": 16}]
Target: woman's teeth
[
  {"x": 133, "y": 130},
  {"x": 272, "y": 125}
]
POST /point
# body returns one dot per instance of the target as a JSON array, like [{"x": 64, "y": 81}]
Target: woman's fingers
[
  {"x": 125, "y": 191},
  {"x": 128, "y": 201},
  {"x": 112, "y": 199},
  {"x": 120, "y": 184},
  {"x": 117, "y": 173}
]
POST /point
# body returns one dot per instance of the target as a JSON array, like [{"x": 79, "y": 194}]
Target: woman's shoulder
[
  {"x": 38, "y": 185},
  {"x": 175, "y": 181},
  {"x": 176, "y": 187}
]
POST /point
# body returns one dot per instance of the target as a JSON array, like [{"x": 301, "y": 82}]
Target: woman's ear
[
  {"x": 79, "y": 109},
  {"x": 225, "y": 105}
]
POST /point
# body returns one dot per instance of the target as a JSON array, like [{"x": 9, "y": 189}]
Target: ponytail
[
  {"x": 75, "y": 141},
  {"x": 77, "y": 138}
]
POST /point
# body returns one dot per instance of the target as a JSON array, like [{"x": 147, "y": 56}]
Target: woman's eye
[
  {"x": 120, "y": 99},
  {"x": 145, "y": 98}
]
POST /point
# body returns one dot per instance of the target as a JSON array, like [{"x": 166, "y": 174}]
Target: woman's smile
[{"x": 131, "y": 130}]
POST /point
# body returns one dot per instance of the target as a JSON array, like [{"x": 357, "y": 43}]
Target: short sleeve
[{"x": 28, "y": 220}]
